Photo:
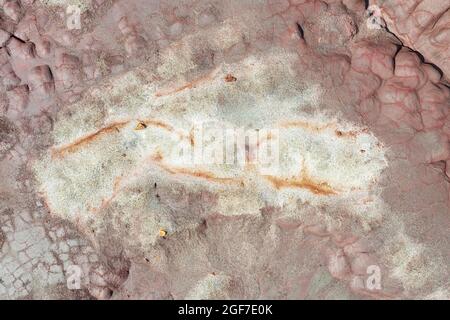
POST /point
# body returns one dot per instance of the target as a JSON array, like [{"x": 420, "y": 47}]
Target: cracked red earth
[{"x": 89, "y": 117}]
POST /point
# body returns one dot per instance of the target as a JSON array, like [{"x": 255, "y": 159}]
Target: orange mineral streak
[
  {"x": 77, "y": 144},
  {"x": 159, "y": 124},
  {"x": 111, "y": 128},
  {"x": 304, "y": 181},
  {"x": 189, "y": 85},
  {"x": 313, "y": 127},
  {"x": 157, "y": 158},
  {"x": 206, "y": 175}
]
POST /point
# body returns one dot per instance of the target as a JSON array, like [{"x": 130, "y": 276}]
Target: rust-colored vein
[
  {"x": 308, "y": 125},
  {"x": 188, "y": 85},
  {"x": 74, "y": 146},
  {"x": 320, "y": 188},
  {"x": 304, "y": 181},
  {"x": 110, "y": 128},
  {"x": 201, "y": 174},
  {"x": 159, "y": 124}
]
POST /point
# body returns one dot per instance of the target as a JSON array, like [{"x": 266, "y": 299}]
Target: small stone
[
  {"x": 140, "y": 126},
  {"x": 230, "y": 78},
  {"x": 162, "y": 233}
]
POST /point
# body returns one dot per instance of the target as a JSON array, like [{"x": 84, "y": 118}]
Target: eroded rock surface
[
  {"x": 95, "y": 112},
  {"x": 423, "y": 26}
]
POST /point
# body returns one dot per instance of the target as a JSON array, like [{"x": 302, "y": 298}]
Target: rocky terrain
[{"x": 98, "y": 98}]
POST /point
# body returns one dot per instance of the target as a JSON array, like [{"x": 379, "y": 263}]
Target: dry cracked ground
[{"x": 97, "y": 96}]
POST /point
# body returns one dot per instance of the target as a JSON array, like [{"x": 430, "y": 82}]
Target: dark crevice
[
  {"x": 399, "y": 47},
  {"x": 12, "y": 36},
  {"x": 393, "y": 34},
  {"x": 420, "y": 55},
  {"x": 17, "y": 38},
  {"x": 423, "y": 60},
  {"x": 51, "y": 73},
  {"x": 300, "y": 31}
]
